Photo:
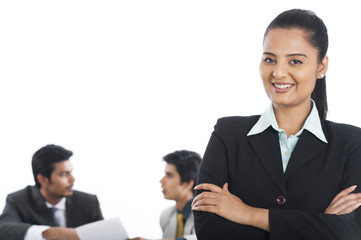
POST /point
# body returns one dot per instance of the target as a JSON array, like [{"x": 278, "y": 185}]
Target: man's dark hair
[
  {"x": 187, "y": 164},
  {"x": 44, "y": 159}
]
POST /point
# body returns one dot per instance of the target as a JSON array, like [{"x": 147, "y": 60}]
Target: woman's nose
[{"x": 280, "y": 71}]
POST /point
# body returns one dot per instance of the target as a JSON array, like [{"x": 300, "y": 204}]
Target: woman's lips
[{"x": 282, "y": 87}]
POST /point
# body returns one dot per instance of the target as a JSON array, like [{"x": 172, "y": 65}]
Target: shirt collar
[
  {"x": 268, "y": 118},
  {"x": 60, "y": 205},
  {"x": 187, "y": 209}
]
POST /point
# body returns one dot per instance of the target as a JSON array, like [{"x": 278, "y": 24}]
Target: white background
[{"x": 122, "y": 83}]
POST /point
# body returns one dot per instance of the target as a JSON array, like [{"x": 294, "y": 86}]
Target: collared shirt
[
  {"x": 312, "y": 124},
  {"x": 35, "y": 231},
  {"x": 60, "y": 211},
  {"x": 186, "y": 211}
]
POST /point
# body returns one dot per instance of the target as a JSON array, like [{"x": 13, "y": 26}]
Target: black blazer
[
  {"x": 27, "y": 207},
  {"x": 252, "y": 166}
]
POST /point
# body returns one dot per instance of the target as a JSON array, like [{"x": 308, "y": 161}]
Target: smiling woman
[
  {"x": 289, "y": 173},
  {"x": 289, "y": 71}
]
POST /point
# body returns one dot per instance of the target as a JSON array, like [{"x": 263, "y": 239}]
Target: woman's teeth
[{"x": 283, "y": 86}]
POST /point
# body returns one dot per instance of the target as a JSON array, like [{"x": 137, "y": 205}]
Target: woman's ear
[{"x": 322, "y": 69}]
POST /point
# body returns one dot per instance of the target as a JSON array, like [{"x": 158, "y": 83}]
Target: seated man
[
  {"x": 51, "y": 209},
  {"x": 181, "y": 172}
]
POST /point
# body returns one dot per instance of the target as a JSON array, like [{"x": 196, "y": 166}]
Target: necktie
[
  {"x": 56, "y": 220},
  {"x": 180, "y": 225}
]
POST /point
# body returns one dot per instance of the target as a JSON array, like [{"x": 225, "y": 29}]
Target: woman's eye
[
  {"x": 269, "y": 60},
  {"x": 296, "y": 62}
]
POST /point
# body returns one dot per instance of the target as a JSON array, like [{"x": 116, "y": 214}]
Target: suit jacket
[
  {"x": 296, "y": 198},
  {"x": 27, "y": 207},
  {"x": 168, "y": 223}
]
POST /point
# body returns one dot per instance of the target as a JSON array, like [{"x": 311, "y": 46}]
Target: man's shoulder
[
  {"x": 83, "y": 194},
  {"x": 82, "y": 197},
  {"x": 24, "y": 193},
  {"x": 25, "y": 199},
  {"x": 166, "y": 213}
]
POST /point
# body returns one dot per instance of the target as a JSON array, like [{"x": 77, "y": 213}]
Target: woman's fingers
[
  {"x": 343, "y": 193},
  {"x": 208, "y": 186},
  {"x": 208, "y": 198},
  {"x": 206, "y": 208},
  {"x": 344, "y": 202},
  {"x": 211, "y": 201},
  {"x": 223, "y": 203},
  {"x": 206, "y": 202},
  {"x": 206, "y": 195},
  {"x": 214, "y": 190},
  {"x": 350, "y": 208},
  {"x": 344, "y": 208},
  {"x": 225, "y": 187}
]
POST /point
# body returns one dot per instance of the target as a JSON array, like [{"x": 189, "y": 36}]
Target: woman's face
[{"x": 289, "y": 67}]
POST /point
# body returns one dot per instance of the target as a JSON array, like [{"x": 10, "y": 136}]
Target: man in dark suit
[{"x": 51, "y": 209}]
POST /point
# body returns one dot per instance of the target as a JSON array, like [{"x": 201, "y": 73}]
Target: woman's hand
[
  {"x": 221, "y": 202},
  {"x": 344, "y": 202}
]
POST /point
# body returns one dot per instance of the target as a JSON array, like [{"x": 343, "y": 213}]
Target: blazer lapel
[
  {"x": 70, "y": 217},
  {"x": 267, "y": 148},
  {"x": 189, "y": 225},
  {"x": 171, "y": 228},
  {"x": 307, "y": 148},
  {"x": 44, "y": 213}
]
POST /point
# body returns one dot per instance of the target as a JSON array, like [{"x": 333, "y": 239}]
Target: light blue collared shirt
[{"x": 268, "y": 118}]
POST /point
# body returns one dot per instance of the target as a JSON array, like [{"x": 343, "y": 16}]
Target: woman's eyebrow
[
  {"x": 297, "y": 54},
  {"x": 269, "y": 53},
  {"x": 288, "y": 55}
]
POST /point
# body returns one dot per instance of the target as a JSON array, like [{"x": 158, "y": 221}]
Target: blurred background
[{"x": 123, "y": 83}]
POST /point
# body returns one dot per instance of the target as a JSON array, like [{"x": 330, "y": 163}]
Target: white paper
[{"x": 109, "y": 229}]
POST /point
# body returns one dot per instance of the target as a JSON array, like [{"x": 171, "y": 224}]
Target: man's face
[
  {"x": 61, "y": 180},
  {"x": 171, "y": 183}
]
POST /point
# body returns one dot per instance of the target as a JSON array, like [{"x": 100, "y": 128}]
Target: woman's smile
[{"x": 282, "y": 87}]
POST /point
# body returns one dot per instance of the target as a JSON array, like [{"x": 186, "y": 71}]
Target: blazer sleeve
[
  {"x": 11, "y": 225},
  {"x": 296, "y": 224},
  {"x": 98, "y": 211},
  {"x": 213, "y": 170},
  {"x": 165, "y": 218}
]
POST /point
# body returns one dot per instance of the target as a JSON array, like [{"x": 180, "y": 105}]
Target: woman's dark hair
[{"x": 316, "y": 32}]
